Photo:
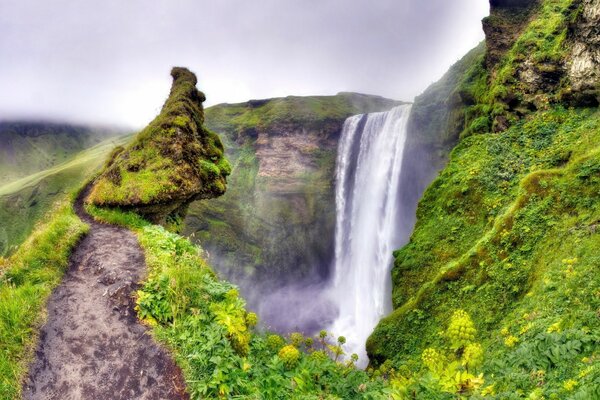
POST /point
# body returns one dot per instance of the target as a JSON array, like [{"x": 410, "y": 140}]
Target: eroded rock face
[
  {"x": 284, "y": 157},
  {"x": 584, "y": 61},
  {"x": 504, "y": 25},
  {"x": 172, "y": 162}
]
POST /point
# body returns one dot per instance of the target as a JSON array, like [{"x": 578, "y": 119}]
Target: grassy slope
[
  {"x": 508, "y": 232},
  {"x": 29, "y": 147},
  {"x": 24, "y": 201},
  {"x": 26, "y": 280}
]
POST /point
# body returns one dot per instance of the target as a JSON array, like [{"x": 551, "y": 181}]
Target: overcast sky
[{"x": 108, "y": 61}]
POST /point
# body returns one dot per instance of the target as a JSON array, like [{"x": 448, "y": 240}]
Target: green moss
[
  {"x": 171, "y": 162},
  {"x": 541, "y": 49},
  {"x": 310, "y": 112}
]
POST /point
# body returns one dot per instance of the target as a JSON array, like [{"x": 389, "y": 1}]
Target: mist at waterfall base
[{"x": 349, "y": 294}]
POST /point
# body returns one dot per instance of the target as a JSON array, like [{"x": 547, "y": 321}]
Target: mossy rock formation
[{"x": 172, "y": 162}]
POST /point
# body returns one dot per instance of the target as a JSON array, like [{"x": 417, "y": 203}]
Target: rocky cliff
[
  {"x": 538, "y": 53},
  {"x": 172, "y": 162}
]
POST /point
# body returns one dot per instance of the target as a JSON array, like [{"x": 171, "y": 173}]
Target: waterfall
[{"x": 367, "y": 189}]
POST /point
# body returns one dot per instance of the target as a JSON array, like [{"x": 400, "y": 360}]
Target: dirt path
[{"x": 92, "y": 346}]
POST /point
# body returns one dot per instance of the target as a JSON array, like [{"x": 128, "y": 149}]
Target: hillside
[
  {"x": 27, "y": 147},
  {"x": 25, "y": 198},
  {"x": 67, "y": 292},
  {"x": 507, "y": 231}
]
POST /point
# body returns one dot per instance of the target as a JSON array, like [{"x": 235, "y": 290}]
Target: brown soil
[{"x": 92, "y": 346}]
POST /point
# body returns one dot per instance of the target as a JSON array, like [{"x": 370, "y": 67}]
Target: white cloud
[{"x": 108, "y": 61}]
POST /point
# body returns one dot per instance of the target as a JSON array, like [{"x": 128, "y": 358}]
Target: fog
[{"x": 108, "y": 61}]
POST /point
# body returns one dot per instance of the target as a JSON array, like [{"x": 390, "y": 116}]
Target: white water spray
[{"x": 367, "y": 178}]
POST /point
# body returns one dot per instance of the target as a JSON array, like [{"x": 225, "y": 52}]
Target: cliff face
[
  {"x": 507, "y": 231},
  {"x": 538, "y": 53},
  {"x": 506, "y": 21},
  {"x": 436, "y": 122},
  {"x": 276, "y": 222},
  {"x": 172, "y": 162},
  {"x": 583, "y": 63}
]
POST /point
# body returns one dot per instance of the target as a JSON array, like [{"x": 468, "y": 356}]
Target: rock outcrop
[
  {"x": 583, "y": 64},
  {"x": 172, "y": 162},
  {"x": 506, "y": 21}
]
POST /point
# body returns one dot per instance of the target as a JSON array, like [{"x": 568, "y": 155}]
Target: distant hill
[
  {"x": 39, "y": 163},
  {"x": 27, "y": 147}
]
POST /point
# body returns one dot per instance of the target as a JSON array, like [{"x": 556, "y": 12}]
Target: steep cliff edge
[
  {"x": 172, "y": 162},
  {"x": 507, "y": 232}
]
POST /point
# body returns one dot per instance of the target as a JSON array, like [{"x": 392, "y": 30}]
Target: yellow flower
[
  {"x": 525, "y": 328},
  {"x": 570, "y": 384},
  {"x": 289, "y": 355},
  {"x": 555, "y": 327},
  {"x": 473, "y": 355},
  {"x": 431, "y": 358},
  {"x": 511, "y": 341},
  {"x": 461, "y": 330}
]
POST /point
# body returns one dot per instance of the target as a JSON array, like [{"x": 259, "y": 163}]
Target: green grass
[
  {"x": 312, "y": 112},
  {"x": 92, "y": 156},
  {"x": 30, "y": 147},
  {"x": 26, "y": 280}
]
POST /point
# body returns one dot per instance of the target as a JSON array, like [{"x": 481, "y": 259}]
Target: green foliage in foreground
[
  {"x": 26, "y": 280},
  {"x": 205, "y": 324},
  {"x": 204, "y": 321},
  {"x": 509, "y": 232}
]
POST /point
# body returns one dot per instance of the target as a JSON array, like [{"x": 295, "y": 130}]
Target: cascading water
[{"x": 367, "y": 187}]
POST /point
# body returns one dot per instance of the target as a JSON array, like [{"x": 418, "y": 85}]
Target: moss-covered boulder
[{"x": 172, "y": 162}]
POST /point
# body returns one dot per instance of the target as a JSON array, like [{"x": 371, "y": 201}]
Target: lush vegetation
[
  {"x": 26, "y": 280},
  {"x": 312, "y": 112},
  {"x": 508, "y": 231},
  {"x": 528, "y": 76},
  {"x": 204, "y": 321}
]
